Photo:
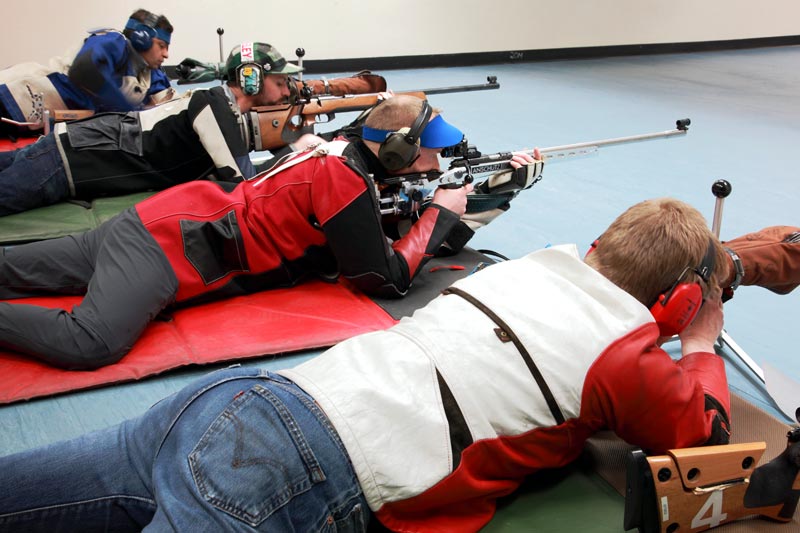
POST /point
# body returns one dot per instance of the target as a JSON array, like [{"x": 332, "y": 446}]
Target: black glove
[{"x": 193, "y": 71}]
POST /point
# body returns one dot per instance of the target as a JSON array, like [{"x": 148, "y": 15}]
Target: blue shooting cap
[
  {"x": 440, "y": 134},
  {"x": 437, "y": 134}
]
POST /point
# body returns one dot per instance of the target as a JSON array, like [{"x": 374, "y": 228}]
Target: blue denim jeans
[
  {"x": 6, "y": 158},
  {"x": 239, "y": 450},
  {"x": 36, "y": 177}
]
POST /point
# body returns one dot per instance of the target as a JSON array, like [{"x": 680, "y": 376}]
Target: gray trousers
[{"x": 120, "y": 269}]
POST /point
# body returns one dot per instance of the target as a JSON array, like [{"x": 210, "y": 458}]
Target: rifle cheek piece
[{"x": 251, "y": 132}]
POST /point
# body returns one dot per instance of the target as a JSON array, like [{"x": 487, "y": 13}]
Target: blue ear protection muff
[
  {"x": 142, "y": 33},
  {"x": 400, "y": 148},
  {"x": 676, "y": 308}
]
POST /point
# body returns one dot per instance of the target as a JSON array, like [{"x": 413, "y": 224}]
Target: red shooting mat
[
  {"x": 7, "y": 144},
  {"x": 312, "y": 315}
]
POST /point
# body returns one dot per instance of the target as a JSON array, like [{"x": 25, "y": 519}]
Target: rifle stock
[
  {"x": 695, "y": 489},
  {"x": 63, "y": 115},
  {"x": 279, "y": 125},
  {"x": 58, "y": 115}
]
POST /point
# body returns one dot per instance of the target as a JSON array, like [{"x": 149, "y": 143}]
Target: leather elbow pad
[
  {"x": 720, "y": 426},
  {"x": 85, "y": 74}
]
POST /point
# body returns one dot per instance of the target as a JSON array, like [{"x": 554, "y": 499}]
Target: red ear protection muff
[
  {"x": 676, "y": 308},
  {"x": 592, "y": 247},
  {"x": 400, "y": 148}
]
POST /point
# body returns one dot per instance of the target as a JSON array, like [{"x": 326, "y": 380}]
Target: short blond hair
[
  {"x": 396, "y": 112},
  {"x": 647, "y": 248}
]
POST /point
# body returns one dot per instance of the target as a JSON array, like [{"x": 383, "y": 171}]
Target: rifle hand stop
[{"x": 514, "y": 180}]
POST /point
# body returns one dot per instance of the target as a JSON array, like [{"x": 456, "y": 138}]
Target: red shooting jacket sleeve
[
  {"x": 347, "y": 209},
  {"x": 635, "y": 389},
  {"x": 425, "y": 236}
]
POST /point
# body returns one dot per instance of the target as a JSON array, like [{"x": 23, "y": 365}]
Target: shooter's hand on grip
[
  {"x": 453, "y": 199},
  {"x": 306, "y": 141}
]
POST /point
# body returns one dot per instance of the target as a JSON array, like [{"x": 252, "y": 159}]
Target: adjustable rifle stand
[{"x": 695, "y": 489}]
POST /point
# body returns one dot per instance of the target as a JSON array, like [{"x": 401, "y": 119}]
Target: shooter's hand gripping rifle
[{"x": 404, "y": 195}]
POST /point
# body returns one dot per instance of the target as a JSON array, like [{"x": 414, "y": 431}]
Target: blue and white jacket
[{"x": 127, "y": 83}]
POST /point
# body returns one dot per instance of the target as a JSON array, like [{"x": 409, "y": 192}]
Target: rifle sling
[
  {"x": 332, "y": 148},
  {"x": 507, "y": 332},
  {"x": 480, "y": 203}
]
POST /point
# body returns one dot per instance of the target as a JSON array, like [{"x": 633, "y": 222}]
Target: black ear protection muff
[
  {"x": 142, "y": 33},
  {"x": 676, "y": 308},
  {"x": 401, "y": 147}
]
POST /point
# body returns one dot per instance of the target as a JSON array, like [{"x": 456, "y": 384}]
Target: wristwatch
[{"x": 727, "y": 293}]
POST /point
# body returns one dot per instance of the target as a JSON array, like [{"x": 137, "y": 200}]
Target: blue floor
[{"x": 745, "y": 112}]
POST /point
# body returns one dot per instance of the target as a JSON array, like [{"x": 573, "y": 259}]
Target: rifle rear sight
[{"x": 461, "y": 150}]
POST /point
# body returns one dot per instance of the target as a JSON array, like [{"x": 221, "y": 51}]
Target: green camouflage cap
[{"x": 271, "y": 61}]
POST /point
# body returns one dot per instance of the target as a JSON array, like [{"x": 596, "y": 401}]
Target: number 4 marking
[{"x": 714, "y": 502}]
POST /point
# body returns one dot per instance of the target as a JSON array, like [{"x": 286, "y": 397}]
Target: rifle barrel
[
  {"x": 614, "y": 141},
  {"x": 570, "y": 150},
  {"x": 459, "y": 88},
  {"x": 318, "y": 99}
]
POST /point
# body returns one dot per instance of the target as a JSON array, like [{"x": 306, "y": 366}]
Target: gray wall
[{"x": 340, "y": 29}]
